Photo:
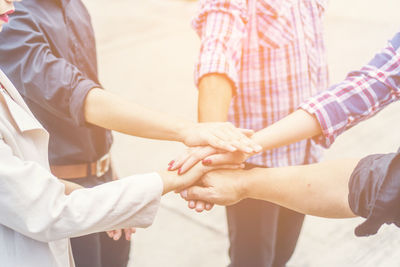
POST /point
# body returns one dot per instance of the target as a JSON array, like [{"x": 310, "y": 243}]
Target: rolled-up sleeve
[
  {"x": 221, "y": 25},
  {"x": 374, "y": 192},
  {"x": 361, "y": 95},
  {"x": 33, "y": 202},
  {"x": 42, "y": 77}
]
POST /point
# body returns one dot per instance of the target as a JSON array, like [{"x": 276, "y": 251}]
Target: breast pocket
[{"x": 274, "y": 25}]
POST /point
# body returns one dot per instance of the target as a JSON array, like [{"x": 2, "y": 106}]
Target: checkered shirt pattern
[
  {"x": 274, "y": 54},
  {"x": 361, "y": 95}
]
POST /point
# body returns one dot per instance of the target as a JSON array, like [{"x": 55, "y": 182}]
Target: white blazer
[{"x": 36, "y": 217}]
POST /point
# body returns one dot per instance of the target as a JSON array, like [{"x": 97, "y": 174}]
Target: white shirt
[{"x": 36, "y": 217}]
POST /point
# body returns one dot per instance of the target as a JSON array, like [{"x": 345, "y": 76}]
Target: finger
[
  {"x": 117, "y": 234},
  {"x": 200, "y": 206},
  {"x": 222, "y": 159},
  {"x": 209, "y": 206},
  {"x": 177, "y": 163},
  {"x": 218, "y": 141},
  {"x": 249, "y": 133},
  {"x": 255, "y": 147},
  {"x": 198, "y": 193},
  {"x": 246, "y": 132},
  {"x": 128, "y": 233},
  {"x": 225, "y": 166},
  {"x": 192, "y": 204},
  {"x": 110, "y": 233},
  {"x": 239, "y": 141},
  {"x": 196, "y": 157},
  {"x": 247, "y": 145}
]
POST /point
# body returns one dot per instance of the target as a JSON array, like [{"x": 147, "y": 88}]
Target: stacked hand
[
  {"x": 216, "y": 145},
  {"x": 222, "y": 187},
  {"x": 178, "y": 182},
  {"x": 211, "y": 157},
  {"x": 220, "y": 135}
]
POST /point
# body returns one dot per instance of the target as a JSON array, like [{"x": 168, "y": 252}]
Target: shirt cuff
[
  {"x": 209, "y": 64},
  {"x": 330, "y": 114},
  {"x": 78, "y": 99}
]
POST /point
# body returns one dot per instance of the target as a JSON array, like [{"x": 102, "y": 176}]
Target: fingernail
[
  {"x": 170, "y": 168},
  {"x": 207, "y": 161},
  {"x": 191, "y": 204},
  {"x": 179, "y": 171},
  {"x": 171, "y": 162},
  {"x": 184, "y": 193}
]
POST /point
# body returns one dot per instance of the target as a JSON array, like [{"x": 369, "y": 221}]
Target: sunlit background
[{"x": 146, "y": 53}]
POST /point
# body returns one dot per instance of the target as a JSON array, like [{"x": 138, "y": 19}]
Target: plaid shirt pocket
[{"x": 274, "y": 26}]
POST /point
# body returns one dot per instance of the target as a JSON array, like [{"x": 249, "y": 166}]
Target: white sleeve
[{"x": 33, "y": 203}]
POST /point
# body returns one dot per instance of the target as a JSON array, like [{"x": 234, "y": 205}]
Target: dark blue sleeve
[
  {"x": 49, "y": 81},
  {"x": 374, "y": 192}
]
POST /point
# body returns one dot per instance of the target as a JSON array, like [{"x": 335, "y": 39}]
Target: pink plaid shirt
[{"x": 273, "y": 52}]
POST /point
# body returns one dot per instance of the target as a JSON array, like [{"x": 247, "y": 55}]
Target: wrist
[
  {"x": 259, "y": 139},
  {"x": 182, "y": 129},
  {"x": 247, "y": 182},
  {"x": 169, "y": 181}
]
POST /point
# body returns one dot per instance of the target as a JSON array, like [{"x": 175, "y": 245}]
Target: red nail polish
[
  {"x": 171, "y": 162},
  {"x": 207, "y": 162},
  {"x": 169, "y": 168}
]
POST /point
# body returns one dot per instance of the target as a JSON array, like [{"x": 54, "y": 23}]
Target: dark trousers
[
  {"x": 98, "y": 250},
  {"x": 262, "y": 234}
]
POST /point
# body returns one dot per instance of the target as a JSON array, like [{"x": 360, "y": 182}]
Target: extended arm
[
  {"x": 328, "y": 114},
  {"x": 35, "y": 203},
  {"x": 62, "y": 89},
  {"x": 317, "y": 189}
]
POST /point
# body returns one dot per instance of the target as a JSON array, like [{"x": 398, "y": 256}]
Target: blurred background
[{"x": 147, "y": 51}]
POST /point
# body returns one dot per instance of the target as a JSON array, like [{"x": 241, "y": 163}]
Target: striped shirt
[
  {"x": 273, "y": 52},
  {"x": 360, "y": 96}
]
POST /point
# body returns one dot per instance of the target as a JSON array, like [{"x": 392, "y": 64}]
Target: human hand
[
  {"x": 209, "y": 156},
  {"x": 174, "y": 182},
  {"x": 222, "y": 187},
  {"x": 116, "y": 234},
  {"x": 220, "y": 135}
]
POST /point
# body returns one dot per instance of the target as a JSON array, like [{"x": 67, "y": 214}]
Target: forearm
[
  {"x": 110, "y": 111},
  {"x": 215, "y": 94},
  {"x": 295, "y": 127},
  {"x": 317, "y": 189}
]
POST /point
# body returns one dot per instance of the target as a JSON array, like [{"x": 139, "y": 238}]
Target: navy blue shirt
[
  {"x": 374, "y": 192},
  {"x": 48, "y": 51}
]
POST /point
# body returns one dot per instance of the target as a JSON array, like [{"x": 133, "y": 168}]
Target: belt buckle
[{"x": 103, "y": 165}]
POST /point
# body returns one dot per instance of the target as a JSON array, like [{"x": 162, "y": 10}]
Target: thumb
[
  {"x": 222, "y": 159},
  {"x": 196, "y": 193},
  {"x": 247, "y": 132}
]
